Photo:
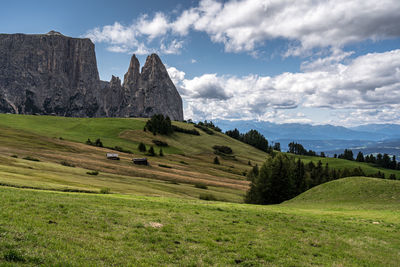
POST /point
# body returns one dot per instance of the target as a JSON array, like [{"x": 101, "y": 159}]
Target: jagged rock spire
[{"x": 132, "y": 77}]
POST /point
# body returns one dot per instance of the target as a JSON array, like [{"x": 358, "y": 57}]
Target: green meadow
[
  {"x": 53, "y": 212},
  {"x": 75, "y": 229}
]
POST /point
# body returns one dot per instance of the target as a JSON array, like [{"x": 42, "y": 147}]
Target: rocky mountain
[{"x": 55, "y": 74}]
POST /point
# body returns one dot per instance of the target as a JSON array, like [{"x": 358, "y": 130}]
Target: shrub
[
  {"x": 13, "y": 256},
  {"x": 216, "y": 161},
  {"x": 105, "y": 191},
  {"x": 392, "y": 176},
  {"x": 120, "y": 149},
  {"x": 201, "y": 186},
  {"x": 66, "y": 163},
  {"x": 93, "y": 173},
  {"x": 204, "y": 129},
  {"x": 185, "y": 131},
  {"x": 151, "y": 151},
  {"x": 142, "y": 147},
  {"x": 95, "y": 143},
  {"x": 98, "y": 143},
  {"x": 208, "y": 197},
  {"x": 183, "y": 162},
  {"x": 164, "y": 166},
  {"x": 161, "y": 153},
  {"x": 14, "y": 156},
  {"x": 31, "y": 158},
  {"x": 223, "y": 149},
  {"x": 159, "y": 143}
]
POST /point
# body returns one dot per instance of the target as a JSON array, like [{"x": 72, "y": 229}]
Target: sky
[{"x": 307, "y": 61}]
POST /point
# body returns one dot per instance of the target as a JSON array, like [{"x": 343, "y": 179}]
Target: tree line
[
  {"x": 252, "y": 137},
  {"x": 384, "y": 161},
  {"x": 282, "y": 177}
]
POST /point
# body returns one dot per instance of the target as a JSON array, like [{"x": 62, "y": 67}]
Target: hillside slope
[
  {"x": 188, "y": 159},
  {"x": 356, "y": 191}
]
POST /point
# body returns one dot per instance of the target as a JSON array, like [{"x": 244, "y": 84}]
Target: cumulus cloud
[
  {"x": 243, "y": 25},
  {"x": 367, "y": 83}
]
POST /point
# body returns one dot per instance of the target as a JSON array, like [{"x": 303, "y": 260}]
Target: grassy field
[
  {"x": 184, "y": 170},
  {"x": 348, "y": 222}
]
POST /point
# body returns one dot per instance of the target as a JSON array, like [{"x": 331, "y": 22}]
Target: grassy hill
[
  {"x": 188, "y": 159},
  {"x": 184, "y": 170},
  {"x": 154, "y": 216},
  {"x": 71, "y": 229},
  {"x": 355, "y": 191}
]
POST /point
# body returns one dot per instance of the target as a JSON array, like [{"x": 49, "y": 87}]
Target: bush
[
  {"x": 161, "y": 153},
  {"x": 13, "y": 256},
  {"x": 105, "y": 191},
  {"x": 93, "y": 173},
  {"x": 151, "y": 152},
  {"x": 204, "y": 129},
  {"x": 164, "y": 166},
  {"x": 207, "y": 196},
  {"x": 201, "y": 186},
  {"x": 95, "y": 143},
  {"x": 142, "y": 147},
  {"x": 185, "y": 131},
  {"x": 183, "y": 162},
  {"x": 159, "y": 143},
  {"x": 223, "y": 149},
  {"x": 31, "y": 158},
  {"x": 120, "y": 149},
  {"x": 14, "y": 156},
  {"x": 66, "y": 163},
  {"x": 216, "y": 161}
]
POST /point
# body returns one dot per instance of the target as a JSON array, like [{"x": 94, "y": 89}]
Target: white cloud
[
  {"x": 193, "y": 61},
  {"x": 153, "y": 28},
  {"x": 173, "y": 48},
  {"x": 243, "y": 25},
  {"x": 367, "y": 83}
]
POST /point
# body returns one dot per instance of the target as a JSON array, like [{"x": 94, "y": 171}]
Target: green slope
[
  {"x": 68, "y": 229},
  {"x": 356, "y": 191}
]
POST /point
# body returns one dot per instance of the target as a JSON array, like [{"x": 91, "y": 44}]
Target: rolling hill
[
  {"x": 77, "y": 229},
  {"x": 187, "y": 167}
]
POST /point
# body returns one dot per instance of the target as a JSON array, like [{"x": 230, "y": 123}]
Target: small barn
[
  {"x": 141, "y": 161},
  {"x": 112, "y": 156}
]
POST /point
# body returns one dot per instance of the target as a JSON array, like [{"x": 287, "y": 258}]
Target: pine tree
[
  {"x": 142, "y": 147},
  {"x": 161, "y": 153},
  {"x": 151, "y": 151},
  {"x": 216, "y": 161}
]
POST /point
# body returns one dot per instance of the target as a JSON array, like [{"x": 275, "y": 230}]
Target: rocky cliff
[{"x": 55, "y": 74}]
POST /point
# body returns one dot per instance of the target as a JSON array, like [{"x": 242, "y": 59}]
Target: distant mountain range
[{"x": 370, "y": 138}]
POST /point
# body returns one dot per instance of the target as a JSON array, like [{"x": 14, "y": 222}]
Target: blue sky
[{"x": 316, "y": 62}]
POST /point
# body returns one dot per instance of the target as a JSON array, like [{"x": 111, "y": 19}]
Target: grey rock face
[
  {"x": 48, "y": 74},
  {"x": 54, "y": 74}
]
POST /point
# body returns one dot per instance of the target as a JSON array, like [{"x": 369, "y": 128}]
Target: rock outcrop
[{"x": 55, "y": 74}]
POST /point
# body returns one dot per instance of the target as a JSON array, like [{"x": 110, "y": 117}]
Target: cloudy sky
[{"x": 311, "y": 61}]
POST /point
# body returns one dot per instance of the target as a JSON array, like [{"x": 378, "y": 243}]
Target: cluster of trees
[
  {"x": 209, "y": 124},
  {"x": 298, "y": 149},
  {"x": 347, "y": 154},
  {"x": 252, "y": 137},
  {"x": 159, "y": 124},
  {"x": 282, "y": 177},
  {"x": 384, "y": 161}
]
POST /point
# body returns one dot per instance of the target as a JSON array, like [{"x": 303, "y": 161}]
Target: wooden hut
[
  {"x": 112, "y": 156},
  {"x": 141, "y": 161}
]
